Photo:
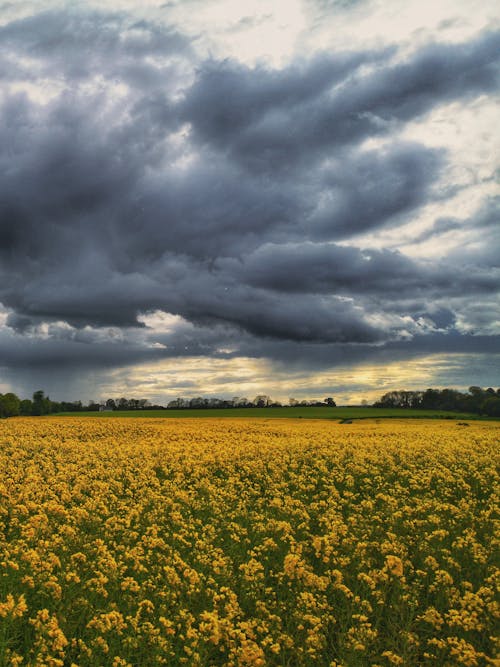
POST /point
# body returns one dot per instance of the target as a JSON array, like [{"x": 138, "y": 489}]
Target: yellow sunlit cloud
[{"x": 242, "y": 376}]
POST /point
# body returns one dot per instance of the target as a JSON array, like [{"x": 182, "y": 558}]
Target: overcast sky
[{"x": 292, "y": 197}]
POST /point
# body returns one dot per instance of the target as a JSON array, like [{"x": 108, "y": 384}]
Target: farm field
[
  {"x": 247, "y": 543},
  {"x": 284, "y": 412}
]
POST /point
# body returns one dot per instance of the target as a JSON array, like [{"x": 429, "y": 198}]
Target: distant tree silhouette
[
  {"x": 41, "y": 403},
  {"x": 26, "y": 407},
  {"x": 10, "y": 405},
  {"x": 476, "y": 401}
]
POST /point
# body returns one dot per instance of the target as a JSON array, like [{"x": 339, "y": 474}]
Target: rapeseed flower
[{"x": 242, "y": 543}]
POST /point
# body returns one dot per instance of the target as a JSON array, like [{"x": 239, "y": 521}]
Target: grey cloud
[
  {"x": 62, "y": 162},
  {"x": 323, "y": 268},
  {"x": 90, "y": 349},
  {"x": 374, "y": 188},
  {"x": 485, "y": 220},
  {"x": 82, "y": 295},
  {"x": 106, "y": 214},
  {"x": 443, "y": 318},
  {"x": 266, "y": 118},
  {"x": 79, "y": 44},
  {"x": 53, "y": 352},
  {"x": 433, "y": 75},
  {"x": 303, "y": 319},
  {"x": 93, "y": 349},
  {"x": 189, "y": 290},
  {"x": 31, "y": 344},
  {"x": 20, "y": 323},
  {"x": 271, "y": 120},
  {"x": 227, "y": 97},
  {"x": 319, "y": 268},
  {"x": 319, "y": 357},
  {"x": 211, "y": 209},
  {"x": 84, "y": 268}
]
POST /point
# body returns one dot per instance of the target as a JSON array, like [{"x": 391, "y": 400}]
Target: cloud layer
[{"x": 249, "y": 202}]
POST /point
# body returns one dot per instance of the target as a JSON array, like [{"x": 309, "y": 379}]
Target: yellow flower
[
  {"x": 13, "y": 608},
  {"x": 395, "y": 565},
  {"x": 246, "y": 543}
]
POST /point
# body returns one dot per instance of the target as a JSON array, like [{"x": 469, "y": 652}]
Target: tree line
[
  {"x": 476, "y": 400},
  {"x": 40, "y": 404},
  {"x": 202, "y": 403},
  {"x": 12, "y": 406},
  {"x": 260, "y": 401}
]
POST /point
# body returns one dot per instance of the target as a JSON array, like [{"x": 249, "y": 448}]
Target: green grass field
[{"x": 337, "y": 414}]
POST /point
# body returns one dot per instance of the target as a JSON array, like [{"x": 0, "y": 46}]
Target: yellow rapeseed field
[{"x": 141, "y": 542}]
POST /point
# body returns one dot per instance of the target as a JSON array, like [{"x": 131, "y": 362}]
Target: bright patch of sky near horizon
[{"x": 245, "y": 377}]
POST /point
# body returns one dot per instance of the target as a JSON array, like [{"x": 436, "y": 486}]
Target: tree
[
  {"x": 26, "y": 407},
  {"x": 41, "y": 403},
  {"x": 262, "y": 401},
  {"x": 330, "y": 402},
  {"x": 477, "y": 400},
  {"x": 430, "y": 399},
  {"x": 389, "y": 400},
  {"x": 10, "y": 405},
  {"x": 491, "y": 406}
]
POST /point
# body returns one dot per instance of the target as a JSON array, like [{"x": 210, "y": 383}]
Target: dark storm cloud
[
  {"x": 320, "y": 357},
  {"x": 78, "y": 45},
  {"x": 271, "y": 120},
  {"x": 62, "y": 346},
  {"x": 328, "y": 268},
  {"x": 263, "y": 314},
  {"x": 228, "y": 98},
  {"x": 119, "y": 200},
  {"x": 52, "y": 352},
  {"x": 209, "y": 210},
  {"x": 373, "y": 188}
]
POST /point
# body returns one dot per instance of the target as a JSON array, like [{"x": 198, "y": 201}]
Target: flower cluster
[{"x": 242, "y": 543}]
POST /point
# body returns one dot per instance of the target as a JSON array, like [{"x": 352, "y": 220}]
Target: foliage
[
  {"x": 247, "y": 543},
  {"x": 433, "y": 402},
  {"x": 477, "y": 400},
  {"x": 491, "y": 406},
  {"x": 10, "y": 405},
  {"x": 26, "y": 407},
  {"x": 41, "y": 404}
]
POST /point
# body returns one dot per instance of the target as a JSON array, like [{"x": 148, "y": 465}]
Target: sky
[{"x": 297, "y": 198}]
